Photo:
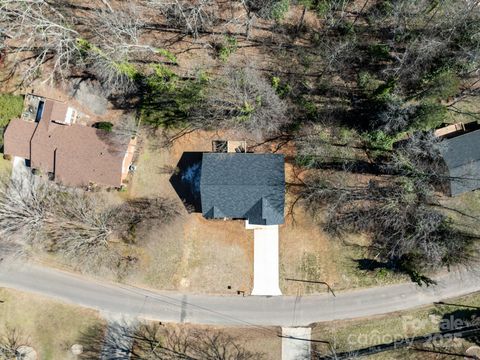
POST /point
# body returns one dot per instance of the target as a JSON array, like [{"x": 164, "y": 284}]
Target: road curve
[{"x": 233, "y": 310}]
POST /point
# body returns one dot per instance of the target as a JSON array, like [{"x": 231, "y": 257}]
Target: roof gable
[{"x": 17, "y": 138}]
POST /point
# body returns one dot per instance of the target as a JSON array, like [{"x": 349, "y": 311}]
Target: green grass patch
[{"x": 11, "y": 106}]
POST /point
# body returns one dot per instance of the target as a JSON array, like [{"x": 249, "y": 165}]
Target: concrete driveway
[{"x": 265, "y": 262}]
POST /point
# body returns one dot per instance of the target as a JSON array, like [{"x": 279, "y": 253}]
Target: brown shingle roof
[
  {"x": 83, "y": 155},
  {"x": 59, "y": 111},
  {"x": 76, "y": 154},
  {"x": 17, "y": 138}
]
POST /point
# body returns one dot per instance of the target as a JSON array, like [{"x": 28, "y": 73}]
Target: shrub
[
  {"x": 379, "y": 51},
  {"x": 169, "y": 99},
  {"x": 345, "y": 28},
  {"x": 282, "y": 89},
  {"x": 227, "y": 48},
  {"x": 168, "y": 55},
  {"x": 384, "y": 91},
  {"x": 379, "y": 140},
  {"x": 367, "y": 82},
  {"x": 309, "y": 108},
  {"x": 103, "y": 125},
  {"x": 390, "y": 114},
  {"x": 126, "y": 69},
  {"x": 11, "y": 106}
]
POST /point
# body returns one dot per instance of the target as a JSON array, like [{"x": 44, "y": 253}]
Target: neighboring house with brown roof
[{"x": 73, "y": 154}]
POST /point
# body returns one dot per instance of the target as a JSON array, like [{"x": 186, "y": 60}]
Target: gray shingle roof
[
  {"x": 243, "y": 186},
  {"x": 462, "y": 157}
]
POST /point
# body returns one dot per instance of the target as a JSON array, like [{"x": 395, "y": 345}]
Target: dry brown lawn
[
  {"x": 192, "y": 254},
  {"x": 198, "y": 255},
  {"x": 308, "y": 253},
  {"x": 5, "y": 167},
  {"x": 48, "y": 326}
]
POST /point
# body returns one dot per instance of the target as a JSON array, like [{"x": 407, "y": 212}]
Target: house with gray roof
[
  {"x": 461, "y": 155},
  {"x": 243, "y": 186}
]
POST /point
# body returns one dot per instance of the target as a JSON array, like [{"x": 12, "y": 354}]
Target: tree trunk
[{"x": 302, "y": 19}]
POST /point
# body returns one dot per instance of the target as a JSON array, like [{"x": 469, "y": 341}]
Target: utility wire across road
[{"x": 254, "y": 311}]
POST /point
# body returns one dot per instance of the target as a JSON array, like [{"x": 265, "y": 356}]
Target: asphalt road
[{"x": 236, "y": 309}]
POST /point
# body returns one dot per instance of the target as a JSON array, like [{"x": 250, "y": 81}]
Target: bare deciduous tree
[
  {"x": 149, "y": 211},
  {"x": 34, "y": 32},
  {"x": 40, "y": 214},
  {"x": 11, "y": 340},
  {"x": 420, "y": 157},
  {"x": 241, "y": 100},
  {"x": 126, "y": 129},
  {"x": 106, "y": 41},
  {"x": 191, "y": 17},
  {"x": 158, "y": 342},
  {"x": 399, "y": 215},
  {"x": 152, "y": 341},
  {"x": 264, "y": 9},
  {"x": 116, "y": 41}
]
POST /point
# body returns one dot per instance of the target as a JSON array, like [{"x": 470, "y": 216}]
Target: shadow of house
[{"x": 186, "y": 180}]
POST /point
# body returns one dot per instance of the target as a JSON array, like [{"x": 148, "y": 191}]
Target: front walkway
[
  {"x": 296, "y": 343},
  {"x": 265, "y": 262}
]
